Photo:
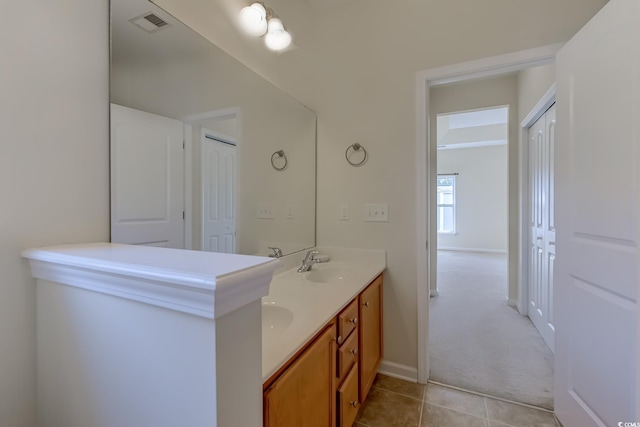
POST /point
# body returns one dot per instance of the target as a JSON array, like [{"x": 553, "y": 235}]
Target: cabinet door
[
  {"x": 304, "y": 396},
  {"x": 370, "y": 335}
]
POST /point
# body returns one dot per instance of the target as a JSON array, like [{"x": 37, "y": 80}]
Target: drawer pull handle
[
  {"x": 340, "y": 339},
  {"x": 366, "y": 304},
  {"x": 354, "y": 320},
  {"x": 354, "y": 351},
  {"x": 354, "y": 403}
]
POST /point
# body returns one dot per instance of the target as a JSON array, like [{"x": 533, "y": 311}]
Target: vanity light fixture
[
  {"x": 253, "y": 19},
  {"x": 258, "y": 20},
  {"x": 277, "y": 37}
]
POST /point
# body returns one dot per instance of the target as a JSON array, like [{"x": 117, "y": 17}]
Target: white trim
[
  {"x": 476, "y": 144},
  {"x": 482, "y": 250},
  {"x": 491, "y": 66},
  {"x": 512, "y": 303},
  {"x": 397, "y": 370},
  {"x": 485, "y": 67},
  {"x": 203, "y": 284},
  {"x": 536, "y": 112},
  {"x": 547, "y": 100},
  {"x": 188, "y": 185}
]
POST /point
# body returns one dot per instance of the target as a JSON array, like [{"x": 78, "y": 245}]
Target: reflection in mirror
[{"x": 169, "y": 85}]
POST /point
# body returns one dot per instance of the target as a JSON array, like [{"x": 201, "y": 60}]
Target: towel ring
[
  {"x": 355, "y": 147},
  {"x": 279, "y": 154}
]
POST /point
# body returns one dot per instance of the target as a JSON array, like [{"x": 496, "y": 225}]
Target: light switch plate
[
  {"x": 376, "y": 212},
  {"x": 344, "y": 211}
]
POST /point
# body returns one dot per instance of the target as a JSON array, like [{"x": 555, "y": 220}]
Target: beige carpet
[{"x": 479, "y": 343}]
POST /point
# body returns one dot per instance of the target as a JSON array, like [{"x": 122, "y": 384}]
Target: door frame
[
  {"x": 547, "y": 100},
  {"x": 426, "y": 168},
  {"x": 189, "y": 121}
]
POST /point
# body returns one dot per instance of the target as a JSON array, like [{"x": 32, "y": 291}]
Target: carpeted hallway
[{"x": 477, "y": 342}]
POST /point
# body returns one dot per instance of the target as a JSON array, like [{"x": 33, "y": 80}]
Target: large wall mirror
[{"x": 195, "y": 133}]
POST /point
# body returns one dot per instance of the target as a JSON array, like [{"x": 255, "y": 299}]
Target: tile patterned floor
[{"x": 396, "y": 403}]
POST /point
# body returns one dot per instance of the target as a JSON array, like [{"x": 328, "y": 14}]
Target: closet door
[{"x": 542, "y": 235}]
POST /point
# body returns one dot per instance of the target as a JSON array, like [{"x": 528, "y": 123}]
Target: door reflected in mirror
[{"x": 193, "y": 138}]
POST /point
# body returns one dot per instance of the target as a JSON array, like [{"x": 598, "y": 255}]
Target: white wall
[
  {"x": 533, "y": 83},
  {"x": 54, "y": 171},
  {"x": 481, "y": 198},
  {"x": 355, "y": 65}
]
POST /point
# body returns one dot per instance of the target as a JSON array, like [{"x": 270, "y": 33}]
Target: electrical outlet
[
  {"x": 378, "y": 212},
  {"x": 265, "y": 212},
  {"x": 344, "y": 211}
]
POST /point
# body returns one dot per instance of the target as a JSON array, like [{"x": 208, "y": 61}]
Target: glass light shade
[
  {"x": 277, "y": 38},
  {"x": 254, "y": 19}
]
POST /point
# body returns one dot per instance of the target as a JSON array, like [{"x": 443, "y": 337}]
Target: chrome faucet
[
  {"x": 308, "y": 261},
  {"x": 277, "y": 252}
]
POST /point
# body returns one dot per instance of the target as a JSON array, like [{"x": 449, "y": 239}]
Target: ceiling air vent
[{"x": 150, "y": 22}]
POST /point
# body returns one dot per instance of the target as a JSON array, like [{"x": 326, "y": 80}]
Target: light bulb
[
  {"x": 254, "y": 19},
  {"x": 277, "y": 37}
]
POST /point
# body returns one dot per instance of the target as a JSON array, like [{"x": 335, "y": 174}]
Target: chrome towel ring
[
  {"x": 279, "y": 155},
  {"x": 355, "y": 147}
]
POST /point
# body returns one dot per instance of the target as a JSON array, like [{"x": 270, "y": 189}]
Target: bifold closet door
[{"x": 542, "y": 237}]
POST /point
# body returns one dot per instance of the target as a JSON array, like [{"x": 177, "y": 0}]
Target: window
[{"x": 446, "y": 202}]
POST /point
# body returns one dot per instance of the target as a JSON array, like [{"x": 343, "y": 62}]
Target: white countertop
[
  {"x": 201, "y": 283},
  {"x": 309, "y": 305}
]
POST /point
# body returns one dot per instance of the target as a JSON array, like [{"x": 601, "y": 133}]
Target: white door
[
  {"x": 147, "y": 179},
  {"x": 597, "y": 215},
  {"x": 542, "y": 239},
  {"x": 218, "y": 193}
]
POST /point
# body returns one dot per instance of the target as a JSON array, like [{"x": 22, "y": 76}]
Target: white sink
[{"x": 275, "y": 319}]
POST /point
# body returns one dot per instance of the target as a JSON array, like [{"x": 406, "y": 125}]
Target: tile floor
[{"x": 396, "y": 403}]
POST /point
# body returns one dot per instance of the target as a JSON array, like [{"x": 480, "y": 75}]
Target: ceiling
[
  {"x": 326, "y": 4},
  {"x": 471, "y": 129}
]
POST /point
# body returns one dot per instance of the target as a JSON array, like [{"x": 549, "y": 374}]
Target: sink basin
[
  {"x": 275, "y": 320},
  {"x": 329, "y": 274}
]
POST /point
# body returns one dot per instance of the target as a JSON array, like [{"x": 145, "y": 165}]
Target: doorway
[
  {"x": 218, "y": 178},
  {"x": 211, "y": 141},
  {"x": 479, "y": 342},
  {"x": 426, "y": 168}
]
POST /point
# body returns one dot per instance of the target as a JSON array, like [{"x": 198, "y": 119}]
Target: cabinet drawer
[
  {"x": 347, "y": 355},
  {"x": 347, "y": 321},
  {"x": 348, "y": 403}
]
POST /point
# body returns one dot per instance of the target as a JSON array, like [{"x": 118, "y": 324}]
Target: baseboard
[
  {"x": 396, "y": 370},
  {"x": 433, "y": 293},
  {"x": 513, "y": 303},
  {"x": 483, "y": 250}
]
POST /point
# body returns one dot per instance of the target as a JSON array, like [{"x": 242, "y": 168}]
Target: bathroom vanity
[
  {"x": 135, "y": 335},
  {"x": 323, "y": 378}
]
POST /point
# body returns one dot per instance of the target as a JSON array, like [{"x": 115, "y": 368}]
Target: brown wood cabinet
[
  {"x": 370, "y": 343},
  {"x": 326, "y": 382},
  {"x": 304, "y": 395}
]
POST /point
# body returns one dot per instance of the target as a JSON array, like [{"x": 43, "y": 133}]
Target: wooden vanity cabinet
[
  {"x": 370, "y": 342},
  {"x": 304, "y": 394},
  {"x": 326, "y": 382}
]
